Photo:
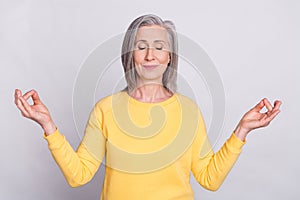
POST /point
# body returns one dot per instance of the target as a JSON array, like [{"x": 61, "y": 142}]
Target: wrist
[
  {"x": 241, "y": 133},
  {"x": 49, "y": 128}
]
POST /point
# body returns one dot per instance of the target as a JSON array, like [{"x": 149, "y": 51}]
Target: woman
[{"x": 151, "y": 136}]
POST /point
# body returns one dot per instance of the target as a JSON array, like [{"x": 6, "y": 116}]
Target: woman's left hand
[{"x": 254, "y": 119}]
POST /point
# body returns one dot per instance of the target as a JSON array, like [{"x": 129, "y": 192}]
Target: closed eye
[
  {"x": 142, "y": 48},
  {"x": 159, "y": 46}
]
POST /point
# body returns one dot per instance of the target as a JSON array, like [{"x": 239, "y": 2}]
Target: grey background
[{"x": 253, "y": 44}]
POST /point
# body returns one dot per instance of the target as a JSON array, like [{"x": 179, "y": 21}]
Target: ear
[{"x": 169, "y": 60}]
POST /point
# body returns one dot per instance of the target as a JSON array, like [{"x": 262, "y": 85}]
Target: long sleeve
[
  {"x": 79, "y": 167},
  {"x": 211, "y": 169},
  {"x": 169, "y": 174}
]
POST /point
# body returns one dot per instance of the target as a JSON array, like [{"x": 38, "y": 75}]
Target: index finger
[
  {"x": 35, "y": 97},
  {"x": 268, "y": 104},
  {"x": 258, "y": 106},
  {"x": 28, "y": 94}
]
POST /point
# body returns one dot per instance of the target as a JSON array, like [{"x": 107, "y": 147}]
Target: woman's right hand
[{"x": 38, "y": 112}]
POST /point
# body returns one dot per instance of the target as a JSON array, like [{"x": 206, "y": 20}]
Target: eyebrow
[{"x": 155, "y": 41}]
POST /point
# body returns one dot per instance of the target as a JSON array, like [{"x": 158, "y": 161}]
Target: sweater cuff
[
  {"x": 55, "y": 139},
  {"x": 235, "y": 144}
]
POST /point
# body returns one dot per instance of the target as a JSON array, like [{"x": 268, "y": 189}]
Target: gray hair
[{"x": 170, "y": 75}]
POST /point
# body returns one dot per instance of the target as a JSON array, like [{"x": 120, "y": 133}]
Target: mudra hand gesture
[
  {"x": 254, "y": 119},
  {"x": 37, "y": 112}
]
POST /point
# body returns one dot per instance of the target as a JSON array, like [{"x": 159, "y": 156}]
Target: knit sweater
[{"x": 149, "y": 148}]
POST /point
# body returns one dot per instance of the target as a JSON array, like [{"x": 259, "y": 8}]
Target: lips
[{"x": 150, "y": 67}]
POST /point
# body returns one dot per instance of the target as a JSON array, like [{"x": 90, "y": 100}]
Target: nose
[{"x": 149, "y": 54}]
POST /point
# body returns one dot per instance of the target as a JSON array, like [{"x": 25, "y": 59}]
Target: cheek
[
  {"x": 164, "y": 58},
  {"x": 137, "y": 58}
]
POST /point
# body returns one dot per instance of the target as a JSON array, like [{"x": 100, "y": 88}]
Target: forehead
[{"x": 151, "y": 33}]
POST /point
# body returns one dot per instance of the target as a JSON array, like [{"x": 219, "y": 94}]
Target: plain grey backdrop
[{"x": 254, "y": 44}]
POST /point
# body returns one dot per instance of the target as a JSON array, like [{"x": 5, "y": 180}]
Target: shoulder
[
  {"x": 190, "y": 106},
  {"x": 190, "y": 110},
  {"x": 187, "y": 102},
  {"x": 106, "y": 103}
]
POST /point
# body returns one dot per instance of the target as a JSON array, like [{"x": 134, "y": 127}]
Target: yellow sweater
[{"x": 149, "y": 149}]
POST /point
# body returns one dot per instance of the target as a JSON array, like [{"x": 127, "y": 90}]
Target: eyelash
[{"x": 157, "y": 48}]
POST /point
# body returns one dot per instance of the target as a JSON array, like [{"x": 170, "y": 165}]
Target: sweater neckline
[{"x": 161, "y": 103}]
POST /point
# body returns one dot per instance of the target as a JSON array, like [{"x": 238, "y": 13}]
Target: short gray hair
[{"x": 170, "y": 75}]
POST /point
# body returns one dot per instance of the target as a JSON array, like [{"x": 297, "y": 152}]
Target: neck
[{"x": 151, "y": 93}]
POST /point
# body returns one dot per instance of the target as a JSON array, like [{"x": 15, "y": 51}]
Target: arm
[
  {"x": 211, "y": 169},
  {"x": 80, "y": 166}
]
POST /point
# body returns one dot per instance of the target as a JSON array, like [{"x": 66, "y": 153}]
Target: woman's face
[{"x": 151, "y": 54}]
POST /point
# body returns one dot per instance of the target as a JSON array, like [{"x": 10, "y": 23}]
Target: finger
[
  {"x": 274, "y": 114},
  {"x": 22, "y": 108},
  {"x": 24, "y": 112},
  {"x": 258, "y": 106},
  {"x": 35, "y": 97},
  {"x": 17, "y": 94},
  {"x": 267, "y": 104},
  {"x": 18, "y": 103},
  {"x": 277, "y": 104},
  {"x": 28, "y": 94},
  {"x": 271, "y": 115},
  {"x": 26, "y": 106}
]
